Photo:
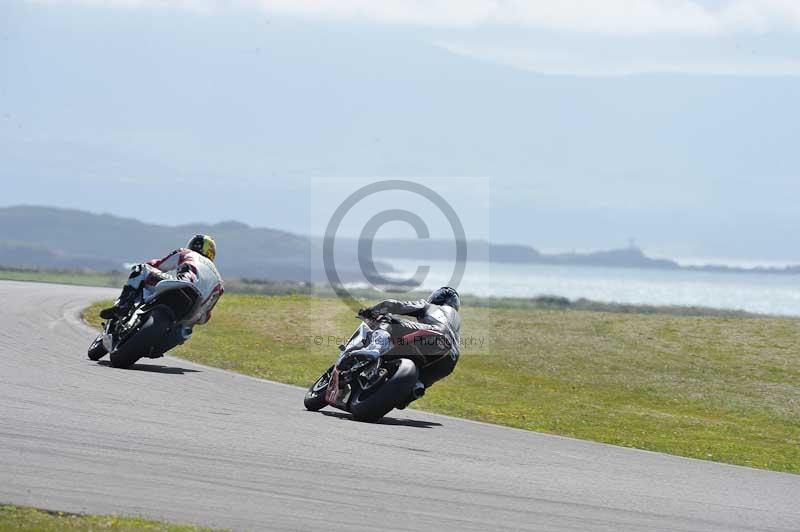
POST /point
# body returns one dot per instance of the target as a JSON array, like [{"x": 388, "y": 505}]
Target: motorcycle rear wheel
[
  {"x": 151, "y": 333},
  {"x": 372, "y": 404}
]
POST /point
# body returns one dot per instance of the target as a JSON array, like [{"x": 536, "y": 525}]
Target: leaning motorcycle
[
  {"x": 369, "y": 388},
  {"x": 155, "y": 324}
]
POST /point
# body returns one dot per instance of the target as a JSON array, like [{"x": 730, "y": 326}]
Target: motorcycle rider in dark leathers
[{"x": 440, "y": 312}]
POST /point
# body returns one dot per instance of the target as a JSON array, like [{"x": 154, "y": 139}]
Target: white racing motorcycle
[{"x": 156, "y": 323}]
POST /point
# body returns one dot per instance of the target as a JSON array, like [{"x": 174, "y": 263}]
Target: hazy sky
[{"x": 583, "y": 123}]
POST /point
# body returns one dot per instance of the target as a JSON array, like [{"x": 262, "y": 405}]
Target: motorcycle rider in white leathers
[{"x": 193, "y": 264}]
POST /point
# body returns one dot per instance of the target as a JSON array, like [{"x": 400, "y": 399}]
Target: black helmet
[{"x": 445, "y": 296}]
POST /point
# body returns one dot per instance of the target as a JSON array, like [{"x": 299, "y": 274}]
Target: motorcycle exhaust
[{"x": 418, "y": 391}]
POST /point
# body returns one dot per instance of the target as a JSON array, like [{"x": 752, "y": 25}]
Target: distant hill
[
  {"x": 28, "y": 256},
  {"x": 627, "y": 258},
  {"x": 58, "y": 238},
  {"x": 512, "y": 253},
  {"x": 45, "y": 237},
  {"x": 631, "y": 257}
]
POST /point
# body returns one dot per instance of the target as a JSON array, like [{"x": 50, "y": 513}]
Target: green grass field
[
  {"x": 19, "y": 519},
  {"x": 712, "y": 387}
]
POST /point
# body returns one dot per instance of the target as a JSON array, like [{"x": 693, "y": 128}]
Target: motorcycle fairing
[
  {"x": 339, "y": 390},
  {"x": 334, "y": 395},
  {"x": 426, "y": 337}
]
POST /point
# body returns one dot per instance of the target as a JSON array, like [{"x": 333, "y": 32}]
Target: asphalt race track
[{"x": 177, "y": 441}]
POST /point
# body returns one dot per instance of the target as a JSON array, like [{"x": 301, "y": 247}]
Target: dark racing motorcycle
[
  {"x": 154, "y": 325},
  {"x": 369, "y": 388}
]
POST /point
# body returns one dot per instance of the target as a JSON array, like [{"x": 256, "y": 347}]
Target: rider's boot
[{"x": 121, "y": 306}]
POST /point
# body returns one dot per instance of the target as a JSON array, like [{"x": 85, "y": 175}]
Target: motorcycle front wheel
[
  {"x": 97, "y": 350},
  {"x": 315, "y": 396}
]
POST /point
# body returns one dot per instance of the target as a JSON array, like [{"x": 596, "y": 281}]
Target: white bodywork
[{"x": 208, "y": 285}]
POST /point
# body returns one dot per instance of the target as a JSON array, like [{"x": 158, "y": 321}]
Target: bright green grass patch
[
  {"x": 717, "y": 388},
  {"x": 31, "y": 520}
]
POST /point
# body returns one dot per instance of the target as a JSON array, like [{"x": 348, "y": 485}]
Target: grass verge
[
  {"x": 718, "y": 388},
  {"x": 21, "y": 519}
]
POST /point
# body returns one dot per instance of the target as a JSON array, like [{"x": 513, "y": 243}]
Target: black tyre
[
  {"x": 315, "y": 396},
  {"x": 97, "y": 350},
  {"x": 372, "y": 404},
  {"x": 150, "y": 334}
]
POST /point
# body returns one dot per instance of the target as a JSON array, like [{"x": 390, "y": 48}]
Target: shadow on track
[
  {"x": 386, "y": 420},
  {"x": 153, "y": 368}
]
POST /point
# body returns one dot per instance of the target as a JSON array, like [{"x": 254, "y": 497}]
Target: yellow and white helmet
[{"x": 204, "y": 245}]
